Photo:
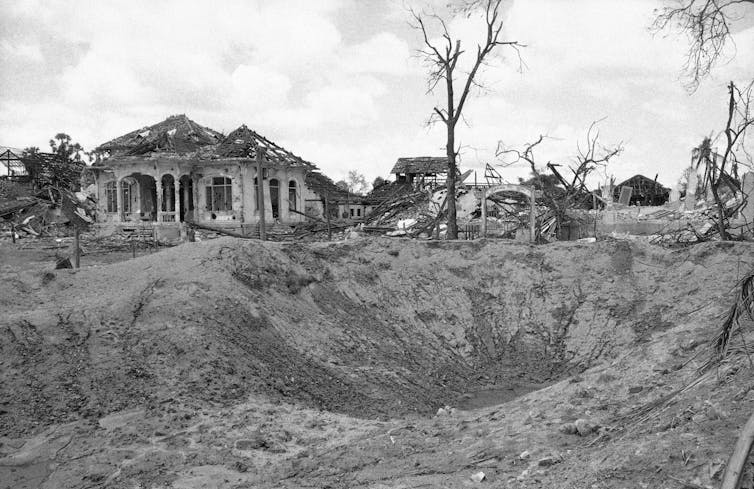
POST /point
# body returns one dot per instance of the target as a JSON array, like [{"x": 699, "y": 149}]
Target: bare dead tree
[
  {"x": 721, "y": 169},
  {"x": 706, "y": 23},
  {"x": 574, "y": 193},
  {"x": 442, "y": 57}
]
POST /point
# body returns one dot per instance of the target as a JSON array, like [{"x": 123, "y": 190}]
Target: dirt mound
[
  {"x": 368, "y": 328},
  {"x": 208, "y": 365}
]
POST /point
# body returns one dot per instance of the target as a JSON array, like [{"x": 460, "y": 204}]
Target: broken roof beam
[{"x": 558, "y": 175}]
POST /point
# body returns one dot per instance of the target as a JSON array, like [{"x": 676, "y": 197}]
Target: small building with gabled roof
[
  {"x": 421, "y": 170},
  {"x": 179, "y": 171},
  {"x": 644, "y": 191}
]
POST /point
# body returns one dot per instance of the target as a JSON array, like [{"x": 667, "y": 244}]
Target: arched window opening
[
  {"x": 292, "y": 198},
  {"x": 128, "y": 195},
  {"x": 275, "y": 197}
]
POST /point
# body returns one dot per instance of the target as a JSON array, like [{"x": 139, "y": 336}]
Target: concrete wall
[{"x": 244, "y": 193}]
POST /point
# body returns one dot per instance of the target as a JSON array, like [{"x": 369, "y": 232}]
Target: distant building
[
  {"x": 341, "y": 204},
  {"x": 421, "y": 171},
  {"x": 177, "y": 170},
  {"x": 644, "y": 191}
]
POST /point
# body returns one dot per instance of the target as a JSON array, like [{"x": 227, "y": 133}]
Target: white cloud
[
  {"x": 257, "y": 88},
  {"x": 27, "y": 52},
  {"x": 350, "y": 102},
  {"x": 383, "y": 53}
]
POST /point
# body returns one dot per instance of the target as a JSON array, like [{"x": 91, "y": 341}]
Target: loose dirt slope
[{"x": 209, "y": 363}]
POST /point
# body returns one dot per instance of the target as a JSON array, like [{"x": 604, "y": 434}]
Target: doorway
[{"x": 186, "y": 202}]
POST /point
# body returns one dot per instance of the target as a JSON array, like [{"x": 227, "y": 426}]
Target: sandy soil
[{"x": 234, "y": 363}]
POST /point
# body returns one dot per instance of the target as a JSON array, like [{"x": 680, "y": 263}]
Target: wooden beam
[{"x": 260, "y": 194}]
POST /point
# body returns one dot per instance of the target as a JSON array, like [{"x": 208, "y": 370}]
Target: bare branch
[{"x": 706, "y": 23}]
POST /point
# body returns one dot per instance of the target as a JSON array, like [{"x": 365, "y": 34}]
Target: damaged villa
[{"x": 177, "y": 171}]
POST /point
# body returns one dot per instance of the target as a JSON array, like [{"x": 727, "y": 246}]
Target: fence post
[
  {"x": 533, "y": 217},
  {"x": 484, "y": 212}
]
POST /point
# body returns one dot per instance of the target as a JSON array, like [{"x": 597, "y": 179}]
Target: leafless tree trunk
[
  {"x": 707, "y": 25},
  {"x": 442, "y": 58},
  {"x": 722, "y": 169}
]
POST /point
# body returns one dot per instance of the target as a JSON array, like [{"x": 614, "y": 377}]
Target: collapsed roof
[
  {"x": 388, "y": 191},
  {"x": 179, "y": 136},
  {"x": 243, "y": 143}
]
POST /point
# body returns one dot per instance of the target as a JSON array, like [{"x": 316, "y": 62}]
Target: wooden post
[
  {"x": 484, "y": 211},
  {"x": 734, "y": 469},
  {"x": 133, "y": 248},
  {"x": 533, "y": 217},
  {"x": 327, "y": 214},
  {"x": 260, "y": 194},
  {"x": 13, "y": 232},
  {"x": 76, "y": 248}
]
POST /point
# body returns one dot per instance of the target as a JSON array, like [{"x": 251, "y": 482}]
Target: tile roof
[
  {"x": 242, "y": 143},
  {"x": 177, "y": 134},
  {"x": 421, "y": 165}
]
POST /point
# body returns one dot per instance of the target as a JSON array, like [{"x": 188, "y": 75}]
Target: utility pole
[
  {"x": 484, "y": 209},
  {"x": 327, "y": 213},
  {"x": 260, "y": 194}
]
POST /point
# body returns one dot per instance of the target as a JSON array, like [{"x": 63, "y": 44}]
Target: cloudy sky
[{"x": 338, "y": 82}]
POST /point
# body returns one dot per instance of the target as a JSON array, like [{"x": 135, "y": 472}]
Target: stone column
[
  {"x": 177, "y": 196},
  {"x": 184, "y": 197},
  {"x": 159, "y": 200},
  {"x": 195, "y": 195},
  {"x": 119, "y": 198}
]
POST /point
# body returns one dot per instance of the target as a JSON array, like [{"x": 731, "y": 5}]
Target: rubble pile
[
  {"x": 405, "y": 203},
  {"x": 48, "y": 212}
]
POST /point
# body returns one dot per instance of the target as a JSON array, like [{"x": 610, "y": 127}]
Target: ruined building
[
  {"x": 177, "y": 171},
  {"x": 421, "y": 170}
]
